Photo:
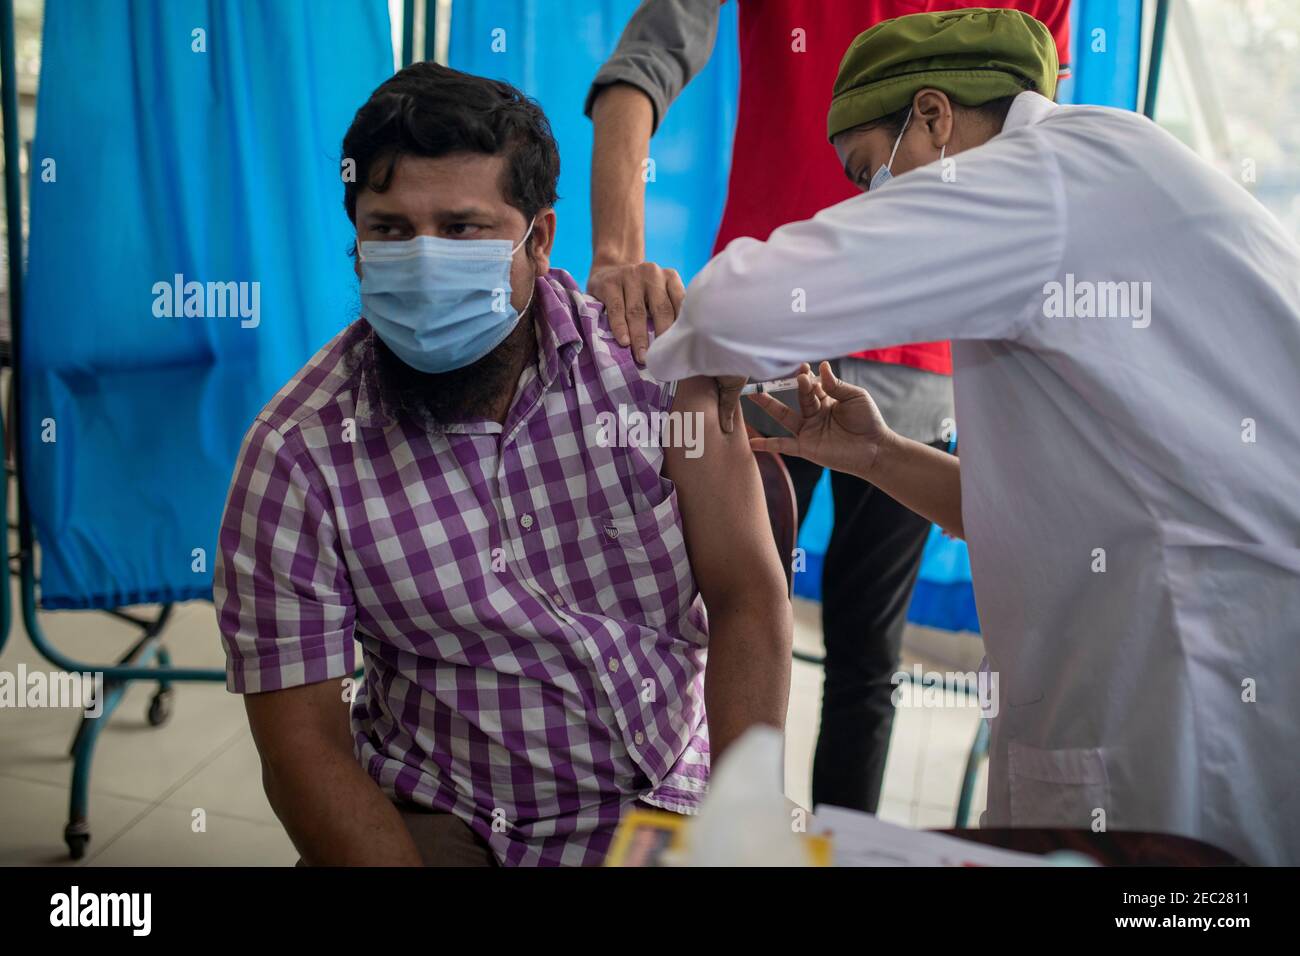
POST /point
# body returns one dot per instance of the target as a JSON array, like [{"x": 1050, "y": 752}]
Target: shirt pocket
[
  {"x": 642, "y": 573},
  {"x": 1056, "y": 788}
]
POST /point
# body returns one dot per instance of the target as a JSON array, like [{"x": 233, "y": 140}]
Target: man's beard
[{"x": 430, "y": 400}]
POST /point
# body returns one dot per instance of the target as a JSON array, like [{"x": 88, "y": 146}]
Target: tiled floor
[{"x": 190, "y": 792}]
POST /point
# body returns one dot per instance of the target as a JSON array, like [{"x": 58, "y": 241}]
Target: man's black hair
[{"x": 432, "y": 110}]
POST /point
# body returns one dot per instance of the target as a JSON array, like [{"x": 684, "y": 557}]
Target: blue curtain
[
  {"x": 1106, "y": 60},
  {"x": 176, "y": 138}
]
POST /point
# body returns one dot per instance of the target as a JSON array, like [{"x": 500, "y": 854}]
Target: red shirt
[{"x": 782, "y": 167}]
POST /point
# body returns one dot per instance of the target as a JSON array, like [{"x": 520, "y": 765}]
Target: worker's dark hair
[
  {"x": 994, "y": 111},
  {"x": 432, "y": 110}
]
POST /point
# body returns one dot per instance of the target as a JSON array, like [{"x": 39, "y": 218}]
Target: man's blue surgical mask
[
  {"x": 883, "y": 175},
  {"x": 440, "y": 304}
]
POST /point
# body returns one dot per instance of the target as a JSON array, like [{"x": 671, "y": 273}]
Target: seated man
[{"x": 469, "y": 481}]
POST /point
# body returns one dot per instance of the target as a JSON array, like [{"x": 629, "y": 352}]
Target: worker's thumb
[{"x": 833, "y": 386}]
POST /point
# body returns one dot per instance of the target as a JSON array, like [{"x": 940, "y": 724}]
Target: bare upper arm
[
  {"x": 724, "y": 514},
  {"x": 293, "y": 724}
]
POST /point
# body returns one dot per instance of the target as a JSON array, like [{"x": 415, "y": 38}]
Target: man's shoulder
[
  {"x": 615, "y": 362},
  {"x": 317, "y": 388},
  {"x": 587, "y": 313}
]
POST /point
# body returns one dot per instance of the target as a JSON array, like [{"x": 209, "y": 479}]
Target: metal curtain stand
[
  {"x": 147, "y": 659},
  {"x": 1156, "y": 60},
  {"x": 430, "y": 31}
]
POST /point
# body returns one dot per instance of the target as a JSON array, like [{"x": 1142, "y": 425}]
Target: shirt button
[
  {"x": 526, "y": 521},
  {"x": 613, "y": 663},
  {"x": 559, "y": 599},
  {"x": 639, "y": 738}
]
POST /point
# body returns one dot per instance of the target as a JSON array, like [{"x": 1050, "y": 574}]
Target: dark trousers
[
  {"x": 867, "y": 578},
  {"x": 442, "y": 839}
]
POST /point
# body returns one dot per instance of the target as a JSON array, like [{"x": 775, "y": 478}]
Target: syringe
[{"x": 776, "y": 385}]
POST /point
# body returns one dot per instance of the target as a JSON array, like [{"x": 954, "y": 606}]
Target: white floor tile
[
  {"x": 230, "y": 785},
  {"x": 802, "y": 720},
  {"x": 952, "y": 730},
  {"x": 166, "y": 837},
  {"x": 133, "y": 759},
  {"x": 931, "y": 818},
  {"x": 895, "y": 811},
  {"x": 908, "y": 746},
  {"x": 34, "y": 815}
]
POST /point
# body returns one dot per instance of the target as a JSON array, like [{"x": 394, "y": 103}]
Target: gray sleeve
[{"x": 663, "y": 46}]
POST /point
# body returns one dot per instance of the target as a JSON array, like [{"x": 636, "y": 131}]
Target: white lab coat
[{"x": 1163, "y": 692}]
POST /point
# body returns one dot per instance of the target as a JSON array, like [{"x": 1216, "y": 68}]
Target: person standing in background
[{"x": 790, "y": 51}]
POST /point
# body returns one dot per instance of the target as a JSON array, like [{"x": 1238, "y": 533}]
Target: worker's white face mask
[{"x": 883, "y": 175}]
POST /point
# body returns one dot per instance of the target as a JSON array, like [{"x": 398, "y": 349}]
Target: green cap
[{"x": 973, "y": 55}]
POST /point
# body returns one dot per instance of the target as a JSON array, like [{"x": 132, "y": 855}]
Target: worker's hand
[
  {"x": 837, "y": 426},
  {"x": 636, "y": 294}
]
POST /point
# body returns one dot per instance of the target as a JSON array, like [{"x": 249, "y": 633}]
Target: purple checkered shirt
[{"x": 532, "y": 636}]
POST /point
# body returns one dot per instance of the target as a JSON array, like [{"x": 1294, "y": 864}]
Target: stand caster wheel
[
  {"x": 160, "y": 708},
  {"x": 76, "y": 838}
]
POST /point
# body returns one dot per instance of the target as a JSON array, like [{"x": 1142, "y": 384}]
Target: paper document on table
[{"x": 860, "y": 839}]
